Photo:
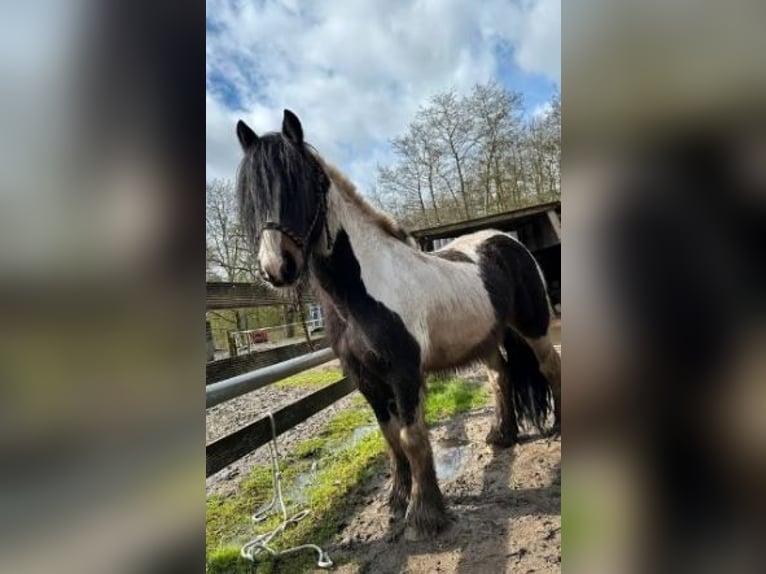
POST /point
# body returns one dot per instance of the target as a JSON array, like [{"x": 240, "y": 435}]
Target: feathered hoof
[
  {"x": 426, "y": 520},
  {"x": 397, "y": 504},
  {"x": 500, "y": 439},
  {"x": 417, "y": 530}
]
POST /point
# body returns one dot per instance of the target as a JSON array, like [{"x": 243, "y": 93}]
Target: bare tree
[
  {"x": 430, "y": 156},
  {"x": 406, "y": 177},
  {"x": 543, "y": 152},
  {"x": 462, "y": 157},
  {"x": 450, "y": 124},
  {"x": 497, "y": 113},
  {"x": 228, "y": 254}
]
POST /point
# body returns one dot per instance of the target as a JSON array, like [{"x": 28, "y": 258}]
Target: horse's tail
[{"x": 530, "y": 389}]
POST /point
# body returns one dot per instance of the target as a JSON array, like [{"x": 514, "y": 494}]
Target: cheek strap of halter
[{"x": 303, "y": 243}]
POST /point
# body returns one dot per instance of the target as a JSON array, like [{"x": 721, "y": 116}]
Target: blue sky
[{"x": 356, "y": 72}]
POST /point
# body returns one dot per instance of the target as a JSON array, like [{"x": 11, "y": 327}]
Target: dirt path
[{"x": 506, "y": 506}]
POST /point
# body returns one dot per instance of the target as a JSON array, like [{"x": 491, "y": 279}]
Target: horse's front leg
[
  {"x": 401, "y": 474},
  {"x": 381, "y": 399},
  {"x": 426, "y": 514}
]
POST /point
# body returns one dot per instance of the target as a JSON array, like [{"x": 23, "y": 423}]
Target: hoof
[
  {"x": 415, "y": 532},
  {"x": 425, "y": 522},
  {"x": 500, "y": 439},
  {"x": 397, "y": 505},
  {"x": 412, "y": 535},
  {"x": 395, "y": 531}
]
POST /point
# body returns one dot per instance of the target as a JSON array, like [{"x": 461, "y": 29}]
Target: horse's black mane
[{"x": 274, "y": 164}]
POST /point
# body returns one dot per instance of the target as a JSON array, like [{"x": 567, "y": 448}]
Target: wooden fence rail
[
  {"x": 234, "y": 446},
  {"x": 222, "y": 295},
  {"x": 224, "y": 368},
  {"x": 234, "y": 387}
]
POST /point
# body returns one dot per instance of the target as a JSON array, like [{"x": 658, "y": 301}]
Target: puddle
[
  {"x": 450, "y": 456},
  {"x": 359, "y": 433},
  {"x": 296, "y": 490},
  {"x": 451, "y": 442}
]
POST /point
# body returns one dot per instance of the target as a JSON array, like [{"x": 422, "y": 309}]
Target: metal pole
[{"x": 236, "y": 386}]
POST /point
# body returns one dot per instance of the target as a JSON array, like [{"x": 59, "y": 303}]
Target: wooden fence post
[
  {"x": 289, "y": 317},
  {"x": 210, "y": 347},
  {"x": 232, "y": 344}
]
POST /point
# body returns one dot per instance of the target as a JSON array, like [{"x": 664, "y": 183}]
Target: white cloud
[
  {"x": 356, "y": 72},
  {"x": 539, "y": 45}
]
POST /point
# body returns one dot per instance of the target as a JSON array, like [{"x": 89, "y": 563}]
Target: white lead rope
[{"x": 261, "y": 542}]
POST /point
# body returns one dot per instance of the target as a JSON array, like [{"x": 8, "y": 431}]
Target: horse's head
[{"x": 281, "y": 187}]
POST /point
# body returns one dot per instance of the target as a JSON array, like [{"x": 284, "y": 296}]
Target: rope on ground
[{"x": 261, "y": 542}]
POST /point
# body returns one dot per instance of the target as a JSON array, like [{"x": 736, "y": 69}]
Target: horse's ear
[
  {"x": 291, "y": 128},
  {"x": 245, "y": 135}
]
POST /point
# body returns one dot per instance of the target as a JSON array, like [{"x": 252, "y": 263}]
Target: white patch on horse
[
  {"x": 443, "y": 304},
  {"x": 270, "y": 248},
  {"x": 270, "y": 252},
  {"x": 468, "y": 244}
]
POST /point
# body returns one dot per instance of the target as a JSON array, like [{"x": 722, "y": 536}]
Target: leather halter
[{"x": 305, "y": 243}]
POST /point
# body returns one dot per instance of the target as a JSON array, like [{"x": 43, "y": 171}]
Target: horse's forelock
[{"x": 276, "y": 171}]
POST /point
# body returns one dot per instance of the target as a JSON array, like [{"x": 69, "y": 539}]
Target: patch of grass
[
  {"x": 451, "y": 396},
  {"x": 311, "y": 379},
  {"x": 343, "y": 467},
  {"x": 345, "y": 422},
  {"x": 228, "y": 518},
  {"x": 226, "y": 561},
  {"x": 312, "y": 447}
]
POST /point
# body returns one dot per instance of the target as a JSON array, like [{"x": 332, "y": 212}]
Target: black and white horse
[{"x": 393, "y": 312}]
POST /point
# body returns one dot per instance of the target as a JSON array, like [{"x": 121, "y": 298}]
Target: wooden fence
[
  {"x": 224, "y": 451},
  {"x": 222, "y": 295},
  {"x": 245, "y": 373},
  {"x": 231, "y": 366}
]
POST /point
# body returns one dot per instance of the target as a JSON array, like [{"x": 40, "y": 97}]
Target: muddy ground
[{"x": 505, "y": 505}]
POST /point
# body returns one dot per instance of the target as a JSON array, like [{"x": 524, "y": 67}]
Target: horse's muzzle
[
  {"x": 280, "y": 260},
  {"x": 286, "y": 275}
]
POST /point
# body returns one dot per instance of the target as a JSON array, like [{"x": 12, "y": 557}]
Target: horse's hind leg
[
  {"x": 550, "y": 366},
  {"x": 505, "y": 430},
  {"x": 426, "y": 514}
]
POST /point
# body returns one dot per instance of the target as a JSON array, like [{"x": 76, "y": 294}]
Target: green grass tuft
[
  {"x": 225, "y": 560},
  {"x": 310, "y": 448},
  {"x": 312, "y": 379},
  {"x": 452, "y": 396},
  {"x": 343, "y": 424}
]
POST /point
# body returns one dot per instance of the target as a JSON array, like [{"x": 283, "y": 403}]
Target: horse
[{"x": 395, "y": 313}]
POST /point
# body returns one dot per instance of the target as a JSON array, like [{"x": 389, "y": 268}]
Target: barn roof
[{"x": 505, "y": 221}]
